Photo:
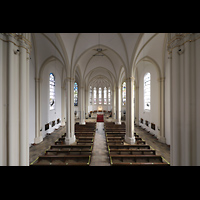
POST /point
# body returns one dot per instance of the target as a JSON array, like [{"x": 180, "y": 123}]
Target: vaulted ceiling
[{"x": 102, "y": 56}]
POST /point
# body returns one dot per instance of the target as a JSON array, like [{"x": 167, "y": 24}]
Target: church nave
[{"x": 51, "y": 81}]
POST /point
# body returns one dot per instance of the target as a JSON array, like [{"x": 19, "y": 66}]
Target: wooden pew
[
  {"x": 69, "y": 150},
  {"x": 138, "y": 154},
  {"x": 71, "y": 155},
  {"x": 84, "y": 141},
  {"x": 140, "y": 164},
  {"x": 132, "y": 152},
  {"x": 115, "y": 159},
  {"x": 72, "y": 147},
  {"x": 67, "y": 160},
  {"x": 128, "y": 147},
  {"x": 115, "y": 142}
]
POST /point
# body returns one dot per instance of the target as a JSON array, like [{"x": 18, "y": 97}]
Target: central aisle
[{"x": 100, "y": 151}]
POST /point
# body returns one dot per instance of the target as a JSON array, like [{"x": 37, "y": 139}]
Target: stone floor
[
  {"x": 161, "y": 148},
  {"x": 39, "y": 149},
  {"x": 100, "y": 155}
]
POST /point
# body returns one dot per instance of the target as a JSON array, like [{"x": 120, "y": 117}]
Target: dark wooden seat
[
  {"x": 110, "y": 139},
  {"x": 115, "y": 142},
  {"x": 134, "y": 146},
  {"x": 84, "y": 141},
  {"x": 115, "y": 132},
  {"x": 140, "y": 164},
  {"x": 63, "y": 160},
  {"x": 68, "y": 152},
  {"x": 85, "y": 134},
  {"x": 135, "y": 158},
  {"x": 72, "y": 147},
  {"x": 140, "y": 141},
  {"x": 115, "y": 137},
  {"x": 138, "y": 154},
  {"x": 132, "y": 152}
]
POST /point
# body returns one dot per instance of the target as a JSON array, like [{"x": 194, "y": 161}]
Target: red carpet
[{"x": 100, "y": 118}]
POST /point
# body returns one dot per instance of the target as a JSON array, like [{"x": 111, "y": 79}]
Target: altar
[{"x": 99, "y": 108}]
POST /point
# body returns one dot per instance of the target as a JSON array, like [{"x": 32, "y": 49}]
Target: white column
[
  {"x": 97, "y": 102},
  {"x": 102, "y": 98},
  {"x": 193, "y": 94},
  {"x": 187, "y": 107},
  {"x": 63, "y": 106},
  {"x": 113, "y": 96},
  {"x": 70, "y": 137},
  {"x": 129, "y": 137},
  {"x": 13, "y": 105},
  {"x": 137, "y": 104},
  {"x": 118, "y": 105},
  {"x": 38, "y": 136},
  {"x": 82, "y": 105},
  {"x": 161, "y": 136},
  {"x": 3, "y": 102},
  {"x": 27, "y": 103},
  {"x": 23, "y": 118},
  {"x": 87, "y": 90},
  {"x": 175, "y": 89}
]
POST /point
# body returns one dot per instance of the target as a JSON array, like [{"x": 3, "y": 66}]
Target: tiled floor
[{"x": 100, "y": 152}]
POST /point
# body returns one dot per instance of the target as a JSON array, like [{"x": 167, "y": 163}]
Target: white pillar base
[
  {"x": 129, "y": 140},
  {"x": 162, "y": 139},
  {"x": 37, "y": 140},
  {"x": 118, "y": 123},
  {"x": 71, "y": 140}
]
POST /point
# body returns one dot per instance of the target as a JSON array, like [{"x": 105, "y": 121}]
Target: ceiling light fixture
[{"x": 99, "y": 49}]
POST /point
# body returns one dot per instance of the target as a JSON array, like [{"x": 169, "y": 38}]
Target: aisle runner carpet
[{"x": 100, "y": 118}]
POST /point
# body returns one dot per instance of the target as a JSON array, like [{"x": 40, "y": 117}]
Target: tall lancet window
[
  {"x": 95, "y": 95},
  {"x": 147, "y": 91},
  {"x": 124, "y": 93},
  {"x": 105, "y": 95},
  {"x": 109, "y": 96},
  {"x": 52, "y": 91},
  {"x": 90, "y": 95},
  {"x": 75, "y": 94},
  {"x": 100, "y": 95}
]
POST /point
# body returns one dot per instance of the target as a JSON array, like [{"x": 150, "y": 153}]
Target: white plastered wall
[
  {"x": 48, "y": 115},
  {"x": 153, "y": 116}
]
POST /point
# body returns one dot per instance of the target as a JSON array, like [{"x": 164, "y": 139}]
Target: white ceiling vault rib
[{"x": 77, "y": 50}]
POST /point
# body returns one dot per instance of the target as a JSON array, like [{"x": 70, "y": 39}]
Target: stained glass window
[
  {"x": 147, "y": 91},
  {"x": 51, "y": 91},
  {"x": 100, "y": 95},
  {"x": 75, "y": 94},
  {"x": 124, "y": 93},
  {"x": 105, "y": 95},
  {"x": 90, "y": 95},
  {"x": 95, "y": 95},
  {"x": 109, "y": 96}
]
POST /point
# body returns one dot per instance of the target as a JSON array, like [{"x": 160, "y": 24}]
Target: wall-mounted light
[{"x": 16, "y": 51}]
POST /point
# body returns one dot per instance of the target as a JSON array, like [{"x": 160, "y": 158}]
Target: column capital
[
  {"x": 70, "y": 79},
  {"x": 37, "y": 79},
  {"x": 20, "y": 40},
  {"x": 178, "y": 39},
  {"x": 130, "y": 78},
  {"x": 161, "y": 79}
]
